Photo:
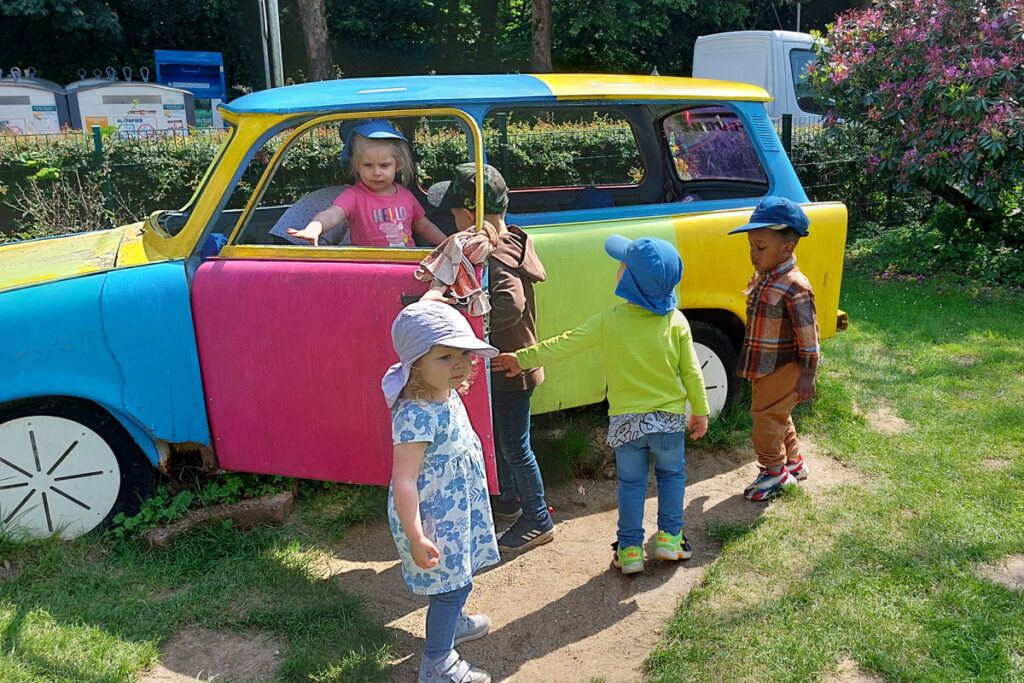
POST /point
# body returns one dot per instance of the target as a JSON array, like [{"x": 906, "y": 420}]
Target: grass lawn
[{"x": 883, "y": 571}]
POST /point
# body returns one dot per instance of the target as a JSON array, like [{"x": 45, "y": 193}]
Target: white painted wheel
[
  {"x": 717, "y": 359},
  {"x": 56, "y": 475},
  {"x": 66, "y": 468}
]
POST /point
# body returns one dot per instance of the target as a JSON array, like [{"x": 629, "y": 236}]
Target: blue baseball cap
[
  {"x": 373, "y": 128},
  {"x": 653, "y": 269},
  {"x": 776, "y": 212}
]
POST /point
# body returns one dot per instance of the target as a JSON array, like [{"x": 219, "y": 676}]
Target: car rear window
[{"x": 710, "y": 143}]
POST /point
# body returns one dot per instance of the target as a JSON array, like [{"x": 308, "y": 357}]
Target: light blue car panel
[{"x": 123, "y": 339}]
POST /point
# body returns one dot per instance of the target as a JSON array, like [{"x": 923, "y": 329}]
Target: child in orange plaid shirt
[{"x": 780, "y": 344}]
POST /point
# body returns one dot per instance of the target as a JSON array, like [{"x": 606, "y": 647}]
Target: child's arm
[
  {"x": 321, "y": 223},
  {"x": 693, "y": 381},
  {"x": 565, "y": 345},
  {"x": 405, "y": 472},
  {"x": 423, "y": 227},
  {"x": 804, "y": 315}
]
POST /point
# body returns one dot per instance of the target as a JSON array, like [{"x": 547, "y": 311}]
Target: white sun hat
[{"x": 420, "y": 326}]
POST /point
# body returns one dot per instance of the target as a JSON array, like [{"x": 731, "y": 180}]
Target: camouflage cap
[{"x": 460, "y": 191}]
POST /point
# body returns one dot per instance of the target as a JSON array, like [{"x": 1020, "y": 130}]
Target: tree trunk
[
  {"x": 987, "y": 222},
  {"x": 488, "y": 35},
  {"x": 314, "y": 29},
  {"x": 540, "y": 45}
]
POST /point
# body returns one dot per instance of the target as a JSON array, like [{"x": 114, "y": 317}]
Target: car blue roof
[
  {"x": 406, "y": 91},
  {"x": 418, "y": 91}
]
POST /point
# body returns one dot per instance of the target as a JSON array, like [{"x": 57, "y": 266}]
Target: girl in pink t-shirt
[{"x": 380, "y": 212}]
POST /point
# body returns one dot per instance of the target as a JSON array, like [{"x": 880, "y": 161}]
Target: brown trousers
[{"x": 772, "y": 401}]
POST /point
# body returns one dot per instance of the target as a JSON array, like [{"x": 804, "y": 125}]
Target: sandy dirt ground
[{"x": 560, "y": 612}]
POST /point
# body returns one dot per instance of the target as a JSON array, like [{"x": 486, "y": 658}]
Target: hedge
[{"x": 57, "y": 184}]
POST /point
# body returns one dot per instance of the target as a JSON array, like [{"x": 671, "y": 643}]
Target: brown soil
[
  {"x": 883, "y": 418},
  {"x": 559, "y": 611},
  {"x": 849, "y": 672},
  {"x": 1009, "y": 574},
  {"x": 199, "y": 654}
]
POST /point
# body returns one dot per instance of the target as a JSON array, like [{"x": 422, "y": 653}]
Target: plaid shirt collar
[{"x": 778, "y": 270}]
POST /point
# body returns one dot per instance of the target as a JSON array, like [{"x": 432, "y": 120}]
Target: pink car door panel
[{"x": 292, "y": 353}]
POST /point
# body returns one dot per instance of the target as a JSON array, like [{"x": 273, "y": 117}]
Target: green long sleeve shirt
[{"x": 649, "y": 361}]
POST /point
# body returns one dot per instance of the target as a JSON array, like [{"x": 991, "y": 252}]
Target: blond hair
[{"x": 399, "y": 149}]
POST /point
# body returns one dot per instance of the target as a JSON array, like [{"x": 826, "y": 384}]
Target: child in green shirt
[{"x": 652, "y": 370}]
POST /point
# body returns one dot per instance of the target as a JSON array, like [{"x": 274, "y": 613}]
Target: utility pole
[
  {"x": 263, "y": 41},
  {"x": 274, "y": 23}
]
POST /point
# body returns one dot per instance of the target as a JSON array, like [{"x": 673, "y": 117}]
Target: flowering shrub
[{"x": 939, "y": 85}]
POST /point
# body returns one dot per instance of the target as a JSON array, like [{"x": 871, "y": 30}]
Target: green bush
[{"x": 830, "y": 163}]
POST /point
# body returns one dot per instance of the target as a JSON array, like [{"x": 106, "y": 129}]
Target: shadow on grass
[{"x": 216, "y": 577}]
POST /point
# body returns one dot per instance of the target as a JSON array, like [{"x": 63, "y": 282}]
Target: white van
[{"x": 774, "y": 60}]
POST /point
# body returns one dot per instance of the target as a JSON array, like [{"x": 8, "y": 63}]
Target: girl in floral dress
[{"x": 438, "y": 505}]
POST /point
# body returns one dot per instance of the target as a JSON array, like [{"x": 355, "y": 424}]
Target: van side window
[
  {"x": 713, "y": 154},
  {"x": 557, "y": 159},
  {"x": 799, "y": 60}
]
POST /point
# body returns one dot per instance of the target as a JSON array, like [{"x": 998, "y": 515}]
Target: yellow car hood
[{"x": 55, "y": 258}]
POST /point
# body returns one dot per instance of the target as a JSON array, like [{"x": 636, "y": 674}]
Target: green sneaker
[
  {"x": 669, "y": 547},
  {"x": 630, "y": 560}
]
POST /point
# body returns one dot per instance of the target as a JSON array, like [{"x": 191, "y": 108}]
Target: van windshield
[{"x": 799, "y": 60}]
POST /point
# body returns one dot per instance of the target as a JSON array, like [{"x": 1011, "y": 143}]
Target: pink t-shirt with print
[{"x": 376, "y": 220}]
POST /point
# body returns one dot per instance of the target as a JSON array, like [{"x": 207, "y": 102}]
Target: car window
[
  {"x": 799, "y": 60},
  {"x": 311, "y": 173},
  {"x": 557, "y": 159},
  {"x": 713, "y": 154}
]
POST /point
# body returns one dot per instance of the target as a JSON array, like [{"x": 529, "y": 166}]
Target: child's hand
[
  {"x": 805, "y": 388},
  {"x": 698, "y": 426},
  {"x": 507, "y": 363},
  {"x": 424, "y": 553},
  {"x": 311, "y": 232}
]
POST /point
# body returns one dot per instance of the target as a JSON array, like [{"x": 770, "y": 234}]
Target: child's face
[
  {"x": 622, "y": 269},
  {"x": 376, "y": 166},
  {"x": 768, "y": 248},
  {"x": 444, "y": 368}
]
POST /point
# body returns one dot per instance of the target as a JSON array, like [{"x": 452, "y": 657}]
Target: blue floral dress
[{"x": 454, "y": 507}]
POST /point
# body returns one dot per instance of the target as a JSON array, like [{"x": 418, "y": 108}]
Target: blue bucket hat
[
  {"x": 653, "y": 269},
  {"x": 776, "y": 212},
  {"x": 373, "y": 128}
]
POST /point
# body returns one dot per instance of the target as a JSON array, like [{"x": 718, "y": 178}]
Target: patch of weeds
[
  {"x": 570, "y": 443},
  {"x": 730, "y": 428},
  {"x": 167, "y": 506}
]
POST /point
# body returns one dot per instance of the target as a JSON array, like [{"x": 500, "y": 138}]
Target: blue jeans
[
  {"x": 518, "y": 472},
  {"x": 633, "y": 462},
  {"x": 442, "y": 618}
]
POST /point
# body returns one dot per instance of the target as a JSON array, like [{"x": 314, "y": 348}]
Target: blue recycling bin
[{"x": 200, "y": 73}]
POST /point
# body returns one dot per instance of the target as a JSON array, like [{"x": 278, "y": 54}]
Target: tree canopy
[
  {"x": 938, "y": 86},
  {"x": 383, "y": 37}
]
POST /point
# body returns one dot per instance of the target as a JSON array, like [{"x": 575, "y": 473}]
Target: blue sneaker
[
  {"x": 527, "y": 533},
  {"x": 769, "y": 484}
]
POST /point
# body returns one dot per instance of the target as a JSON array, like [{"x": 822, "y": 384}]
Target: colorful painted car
[{"x": 123, "y": 348}]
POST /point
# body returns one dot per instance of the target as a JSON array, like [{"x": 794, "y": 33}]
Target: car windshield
[{"x": 170, "y": 222}]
